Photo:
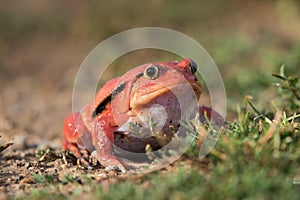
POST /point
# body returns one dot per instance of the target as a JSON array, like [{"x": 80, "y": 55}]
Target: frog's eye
[
  {"x": 193, "y": 67},
  {"x": 151, "y": 72}
]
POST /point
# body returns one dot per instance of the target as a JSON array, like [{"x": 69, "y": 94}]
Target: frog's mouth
[{"x": 181, "y": 90}]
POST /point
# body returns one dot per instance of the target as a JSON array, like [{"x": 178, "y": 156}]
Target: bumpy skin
[{"x": 128, "y": 100}]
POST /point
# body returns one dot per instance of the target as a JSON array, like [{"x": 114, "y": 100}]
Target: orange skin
[{"x": 120, "y": 101}]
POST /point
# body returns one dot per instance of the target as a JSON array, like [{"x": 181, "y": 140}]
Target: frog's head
[
  {"x": 144, "y": 83},
  {"x": 156, "y": 79}
]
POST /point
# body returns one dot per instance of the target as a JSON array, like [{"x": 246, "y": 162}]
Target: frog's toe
[
  {"x": 83, "y": 162},
  {"x": 115, "y": 167}
]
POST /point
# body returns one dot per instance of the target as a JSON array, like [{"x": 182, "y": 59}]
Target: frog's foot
[
  {"x": 115, "y": 167},
  {"x": 83, "y": 162},
  {"x": 81, "y": 155},
  {"x": 83, "y": 159},
  {"x": 110, "y": 162}
]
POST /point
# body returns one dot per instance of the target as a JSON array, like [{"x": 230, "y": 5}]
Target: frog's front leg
[{"x": 103, "y": 139}]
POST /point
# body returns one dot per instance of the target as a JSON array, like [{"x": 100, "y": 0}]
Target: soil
[{"x": 35, "y": 97}]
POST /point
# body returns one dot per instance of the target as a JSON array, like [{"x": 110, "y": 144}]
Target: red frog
[{"x": 144, "y": 101}]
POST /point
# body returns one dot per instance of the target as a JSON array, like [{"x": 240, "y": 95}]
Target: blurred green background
[{"x": 42, "y": 44}]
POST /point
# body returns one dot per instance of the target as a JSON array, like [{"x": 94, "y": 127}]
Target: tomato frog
[{"x": 132, "y": 110}]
